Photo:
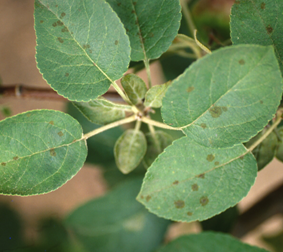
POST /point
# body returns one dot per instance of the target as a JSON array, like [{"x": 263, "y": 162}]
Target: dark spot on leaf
[
  {"x": 51, "y": 122},
  {"x": 94, "y": 64},
  {"x": 74, "y": 140},
  {"x": 116, "y": 42},
  {"x": 151, "y": 35},
  {"x": 86, "y": 46},
  {"x": 203, "y": 200},
  {"x": 133, "y": 11},
  {"x": 203, "y": 125},
  {"x": 142, "y": 197},
  {"x": 262, "y": 6},
  {"x": 54, "y": 24},
  {"x": 134, "y": 3},
  {"x": 56, "y": 5},
  {"x": 41, "y": 21},
  {"x": 242, "y": 62},
  {"x": 179, "y": 203},
  {"x": 176, "y": 182},
  {"x": 195, "y": 187},
  {"x": 127, "y": 30},
  {"x": 216, "y": 163},
  {"x": 60, "y": 133},
  {"x": 210, "y": 157},
  {"x": 201, "y": 176},
  {"x": 63, "y": 14},
  {"x": 65, "y": 29},
  {"x": 52, "y": 152},
  {"x": 118, "y": 4},
  {"x": 261, "y": 102},
  {"x": 148, "y": 198},
  {"x": 60, "y": 40},
  {"x": 16, "y": 158},
  {"x": 190, "y": 89},
  {"x": 215, "y": 111},
  {"x": 59, "y": 23},
  {"x": 224, "y": 109},
  {"x": 269, "y": 29},
  {"x": 241, "y": 157},
  {"x": 3, "y": 164},
  {"x": 189, "y": 213},
  {"x": 138, "y": 33},
  {"x": 90, "y": 51},
  {"x": 67, "y": 74}
]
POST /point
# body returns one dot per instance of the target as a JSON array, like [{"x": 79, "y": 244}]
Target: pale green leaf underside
[
  {"x": 82, "y": 47},
  {"x": 258, "y": 22},
  {"x": 101, "y": 111},
  {"x": 189, "y": 182},
  {"x": 154, "y": 95},
  {"x": 39, "y": 152},
  {"x": 226, "y": 97},
  {"x": 117, "y": 222},
  {"x": 151, "y": 25},
  {"x": 208, "y": 242}
]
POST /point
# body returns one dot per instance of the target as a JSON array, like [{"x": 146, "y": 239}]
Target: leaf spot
[
  {"x": 41, "y": 21},
  {"x": 241, "y": 157},
  {"x": 190, "y": 89},
  {"x": 242, "y": 62},
  {"x": 63, "y": 14},
  {"x": 201, "y": 176},
  {"x": 52, "y": 152},
  {"x": 215, "y": 111},
  {"x": 195, "y": 187},
  {"x": 3, "y": 164},
  {"x": 60, "y": 40},
  {"x": 148, "y": 197},
  {"x": 67, "y": 74},
  {"x": 261, "y": 102},
  {"x": 118, "y": 4},
  {"x": 189, "y": 213},
  {"x": 203, "y": 201},
  {"x": 142, "y": 197},
  {"x": 134, "y": 3},
  {"x": 216, "y": 163},
  {"x": 16, "y": 158},
  {"x": 56, "y": 5},
  {"x": 60, "y": 133},
  {"x": 262, "y": 6},
  {"x": 86, "y": 46},
  {"x": 176, "y": 182},
  {"x": 210, "y": 157},
  {"x": 269, "y": 29},
  {"x": 224, "y": 109},
  {"x": 151, "y": 35},
  {"x": 54, "y": 24},
  {"x": 116, "y": 42},
  {"x": 133, "y": 11},
  {"x": 59, "y": 23},
  {"x": 179, "y": 203},
  {"x": 65, "y": 29},
  {"x": 51, "y": 122}
]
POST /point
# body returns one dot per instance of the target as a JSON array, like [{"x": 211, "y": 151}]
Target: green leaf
[
  {"x": 207, "y": 242},
  {"x": 101, "y": 111},
  {"x": 117, "y": 222},
  {"x": 155, "y": 145},
  {"x": 134, "y": 87},
  {"x": 279, "y": 151},
  {"x": 258, "y": 22},
  {"x": 226, "y": 97},
  {"x": 129, "y": 150},
  {"x": 154, "y": 96},
  {"x": 40, "y": 151},
  {"x": 265, "y": 151},
  {"x": 82, "y": 47},
  {"x": 151, "y": 25},
  {"x": 189, "y": 182}
]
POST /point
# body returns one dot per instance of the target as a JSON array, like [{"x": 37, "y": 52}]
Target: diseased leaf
[
  {"x": 226, "y": 97},
  {"x": 265, "y": 151},
  {"x": 258, "y": 22},
  {"x": 189, "y": 182},
  {"x": 129, "y": 150},
  {"x": 208, "y": 242},
  {"x": 40, "y": 151},
  {"x": 80, "y": 51},
  {"x": 134, "y": 87},
  {"x": 279, "y": 151},
  {"x": 154, "y": 96},
  {"x": 117, "y": 222},
  {"x": 155, "y": 145},
  {"x": 151, "y": 25},
  {"x": 101, "y": 111}
]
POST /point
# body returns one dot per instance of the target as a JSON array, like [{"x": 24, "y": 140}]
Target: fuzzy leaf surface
[
  {"x": 150, "y": 25},
  {"x": 154, "y": 96},
  {"x": 226, "y": 97},
  {"x": 117, "y": 222},
  {"x": 189, "y": 182},
  {"x": 258, "y": 22},
  {"x": 80, "y": 51},
  {"x": 40, "y": 151},
  {"x": 207, "y": 242},
  {"x": 101, "y": 111}
]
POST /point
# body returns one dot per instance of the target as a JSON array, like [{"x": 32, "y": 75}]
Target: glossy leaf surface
[
  {"x": 101, "y": 111},
  {"x": 207, "y": 242},
  {"x": 40, "y": 151},
  {"x": 258, "y": 22},
  {"x": 226, "y": 97},
  {"x": 154, "y": 95},
  {"x": 117, "y": 222},
  {"x": 80, "y": 51},
  {"x": 189, "y": 182},
  {"x": 129, "y": 150},
  {"x": 150, "y": 25}
]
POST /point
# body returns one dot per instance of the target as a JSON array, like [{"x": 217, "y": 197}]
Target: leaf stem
[
  {"x": 121, "y": 93},
  {"x": 157, "y": 124},
  {"x": 188, "y": 16},
  {"x": 191, "y": 43},
  {"x": 138, "y": 125},
  {"x": 152, "y": 132},
  {"x": 147, "y": 67},
  {"x": 203, "y": 47},
  {"x": 267, "y": 132},
  {"x": 110, "y": 126}
]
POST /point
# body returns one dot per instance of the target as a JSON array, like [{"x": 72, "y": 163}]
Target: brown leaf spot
[
  {"x": 190, "y": 89},
  {"x": 216, "y": 163},
  {"x": 54, "y": 24},
  {"x": 203, "y": 125},
  {"x": 63, "y": 14},
  {"x": 203, "y": 201},
  {"x": 127, "y": 30},
  {"x": 142, "y": 197},
  {"x": 118, "y": 4},
  {"x": 189, "y": 213},
  {"x": 215, "y": 111},
  {"x": 195, "y": 187},
  {"x": 41, "y": 21},
  {"x": 262, "y": 6},
  {"x": 3, "y": 164},
  {"x": 67, "y": 74},
  {"x": 210, "y": 157},
  {"x": 151, "y": 35},
  {"x": 65, "y": 29},
  {"x": 133, "y": 11},
  {"x": 224, "y": 109},
  {"x": 60, "y": 133},
  {"x": 179, "y": 203},
  {"x": 51, "y": 122},
  {"x": 241, "y": 157},
  {"x": 90, "y": 51},
  {"x": 56, "y": 5},
  {"x": 86, "y": 46},
  {"x": 148, "y": 197},
  {"x": 176, "y": 182},
  {"x": 269, "y": 29},
  {"x": 201, "y": 176},
  {"x": 242, "y": 62},
  {"x": 16, "y": 158},
  {"x": 60, "y": 40},
  {"x": 134, "y": 3},
  {"x": 52, "y": 152},
  {"x": 59, "y": 23},
  {"x": 261, "y": 102},
  {"x": 116, "y": 42}
]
